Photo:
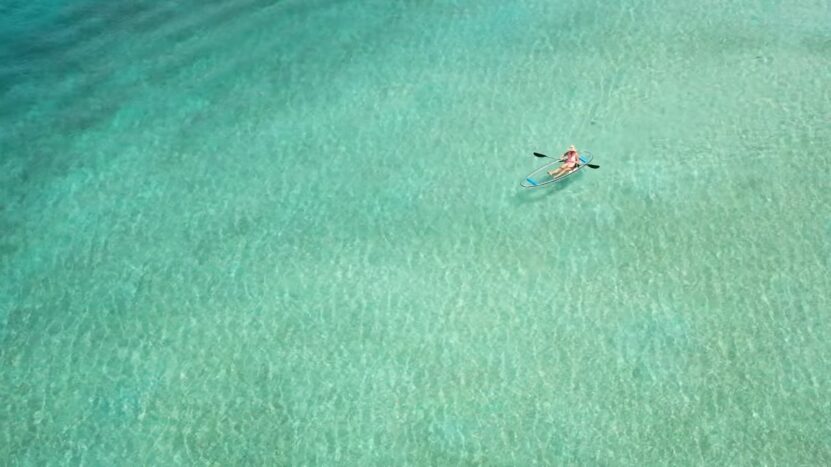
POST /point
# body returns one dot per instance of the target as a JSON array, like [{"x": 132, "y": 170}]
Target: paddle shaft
[{"x": 591, "y": 166}]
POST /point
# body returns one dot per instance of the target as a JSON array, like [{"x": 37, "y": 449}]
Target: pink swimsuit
[{"x": 572, "y": 159}]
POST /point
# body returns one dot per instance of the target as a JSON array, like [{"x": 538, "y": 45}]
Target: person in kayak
[{"x": 570, "y": 160}]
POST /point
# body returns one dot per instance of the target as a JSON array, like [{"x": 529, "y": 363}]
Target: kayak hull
[{"x": 539, "y": 178}]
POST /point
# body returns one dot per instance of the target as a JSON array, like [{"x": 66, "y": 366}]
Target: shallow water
[{"x": 259, "y": 232}]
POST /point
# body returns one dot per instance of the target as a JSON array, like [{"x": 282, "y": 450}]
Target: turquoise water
[{"x": 292, "y": 233}]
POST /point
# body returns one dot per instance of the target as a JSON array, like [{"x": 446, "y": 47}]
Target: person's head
[{"x": 571, "y": 149}]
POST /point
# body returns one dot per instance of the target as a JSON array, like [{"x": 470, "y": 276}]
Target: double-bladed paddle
[{"x": 591, "y": 166}]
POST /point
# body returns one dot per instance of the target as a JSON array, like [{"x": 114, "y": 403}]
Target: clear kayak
[{"x": 540, "y": 176}]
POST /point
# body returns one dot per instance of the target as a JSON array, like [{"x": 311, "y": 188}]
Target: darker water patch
[
  {"x": 653, "y": 347},
  {"x": 9, "y": 242},
  {"x": 819, "y": 44}
]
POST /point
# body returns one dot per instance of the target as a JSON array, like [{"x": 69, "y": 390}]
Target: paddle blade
[
  {"x": 539, "y": 155},
  {"x": 593, "y": 166}
]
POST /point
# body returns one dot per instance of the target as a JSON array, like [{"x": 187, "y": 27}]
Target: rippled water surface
[{"x": 291, "y": 233}]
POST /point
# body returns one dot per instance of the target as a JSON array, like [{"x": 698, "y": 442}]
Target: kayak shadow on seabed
[{"x": 534, "y": 195}]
